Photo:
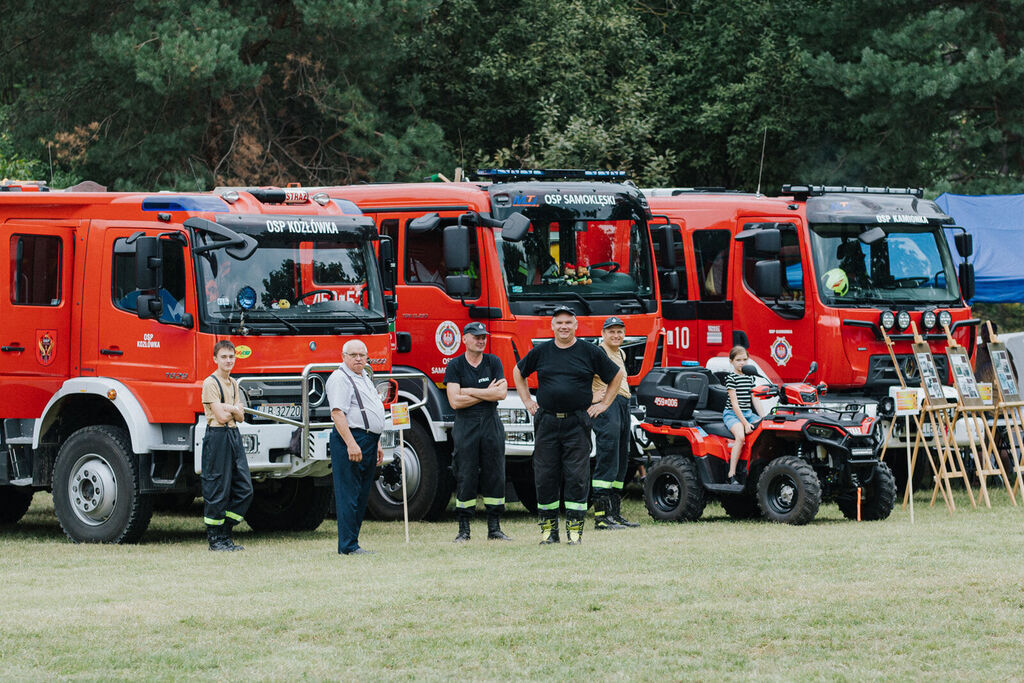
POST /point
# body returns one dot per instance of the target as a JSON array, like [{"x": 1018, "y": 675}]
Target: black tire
[
  {"x": 878, "y": 496},
  {"x": 788, "y": 491},
  {"x": 741, "y": 506},
  {"x": 427, "y": 477},
  {"x": 96, "y": 488},
  {"x": 672, "y": 490},
  {"x": 295, "y": 504},
  {"x": 14, "y": 502},
  {"x": 526, "y": 487}
]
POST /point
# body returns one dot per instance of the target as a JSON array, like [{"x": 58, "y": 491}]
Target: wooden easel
[
  {"x": 976, "y": 415},
  {"x": 938, "y": 419},
  {"x": 1008, "y": 404}
]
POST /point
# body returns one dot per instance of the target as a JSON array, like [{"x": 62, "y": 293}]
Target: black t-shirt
[
  {"x": 565, "y": 376},
  {"x": 466, "y": 376}
]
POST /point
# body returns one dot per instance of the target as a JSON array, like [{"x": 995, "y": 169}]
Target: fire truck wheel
[
  {"x": 672, "y": 490},
  {"x": 14, "y": 502},
  {"x": 741, "y": 507},
  {"x": 878, "y": 496},
  {"x": 788, "y": 491},
  {"x": 525, "y": 486},
  {"x": 427, "y": 479},
  {"x": 96, "y": 488},
  {"x": 293, "y": 504}
]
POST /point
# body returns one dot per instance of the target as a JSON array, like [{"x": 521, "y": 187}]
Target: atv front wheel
[
  {"x": 878, "y": 496},
  {"x": 788, "y": 491}
]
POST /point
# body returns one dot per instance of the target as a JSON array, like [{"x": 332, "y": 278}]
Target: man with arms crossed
[{"x": 475, "y": 382}]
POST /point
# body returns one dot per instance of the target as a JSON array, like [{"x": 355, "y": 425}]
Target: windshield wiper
[
  {"x": 369, "y": 330},
  {"x": 275, "y": 316}
]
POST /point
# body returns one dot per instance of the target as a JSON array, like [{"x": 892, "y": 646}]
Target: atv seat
[{"x": 712, "y": 397}]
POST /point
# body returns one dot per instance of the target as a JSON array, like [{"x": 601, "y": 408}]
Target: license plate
[{"x": 291, "y": 411}]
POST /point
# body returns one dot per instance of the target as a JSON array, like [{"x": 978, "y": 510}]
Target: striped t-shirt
[{"x": 743, "y": 385}]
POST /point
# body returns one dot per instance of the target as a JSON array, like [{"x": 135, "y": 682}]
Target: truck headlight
[{"x": 514, "y": 416}]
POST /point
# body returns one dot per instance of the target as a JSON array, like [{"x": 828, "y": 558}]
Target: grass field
[{"x": 943, "y": 598}]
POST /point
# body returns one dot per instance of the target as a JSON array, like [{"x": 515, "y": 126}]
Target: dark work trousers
[
  {"x": 561, "y": 456},
  {"x": 479, "y": 461},
  {"x": 352, "y": 482},
  {"x": 612, "y": 431},
  {"x": 226, "y": 482}
]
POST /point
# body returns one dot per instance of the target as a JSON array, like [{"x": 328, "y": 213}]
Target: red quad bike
[{"x": 797, "y": 456}]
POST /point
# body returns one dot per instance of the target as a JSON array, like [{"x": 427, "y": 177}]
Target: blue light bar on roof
[
  {"x": 549, "y": 174},
  {"x": 173, "y": 202},
  {"x": 348, "y": 208}
]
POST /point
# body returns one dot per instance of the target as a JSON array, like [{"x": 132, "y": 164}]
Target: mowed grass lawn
[{"x": 942, "y": 598}]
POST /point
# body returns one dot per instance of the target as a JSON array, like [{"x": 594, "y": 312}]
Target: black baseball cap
[
  {"x": 475, "y": 329},
  {"x": 562, "y": 308},
  {"x": 612, "y": 322}
]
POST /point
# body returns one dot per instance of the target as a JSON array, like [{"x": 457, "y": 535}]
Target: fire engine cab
[
  {"x": 111, "y": 306},
  {"x": 505, "y": 250},
  {"x": 814, "y": 274}
]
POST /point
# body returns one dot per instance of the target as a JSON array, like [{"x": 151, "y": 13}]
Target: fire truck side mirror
[
  {"x": 424, "y": 223},
  {"x": 149, "y": 306},
  {"x": 148, "y": 264},
  {"x": 386, "y": 257},
  {"x": 456, "y": 247},
  {"x": 670, "y": 285},
  {"x": 768, "y": 278},
  {"x": 964, "y": 242},
  {"x": 515, "y": 227},
  {"x": 966, "y": 277},
  {"x": 457, "y": 285},
  {"x": 768, "y": 241},
  {"x": 665, "y": 236}
]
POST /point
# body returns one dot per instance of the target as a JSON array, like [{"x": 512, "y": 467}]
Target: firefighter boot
[
  {"x": 494, "y": 532},
  {"x": 617, "y": 512},
  {"x": 603, "y": 512},
  {"x": 549, "y": 530},
  {"x": 218, "y": 541},
  {"x": 464, "y": 518},
  {"x": 574, "y": 530},
  {"x": 229, "y": 527}
]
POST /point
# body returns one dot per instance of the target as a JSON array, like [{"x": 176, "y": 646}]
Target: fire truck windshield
[
  {"x": 301, "y": 282},
  {"x": 912, "y": 264},
  {"x": 596, "y": 259}
]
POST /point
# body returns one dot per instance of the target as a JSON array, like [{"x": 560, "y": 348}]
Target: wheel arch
[{"x": 85, "y": 401}]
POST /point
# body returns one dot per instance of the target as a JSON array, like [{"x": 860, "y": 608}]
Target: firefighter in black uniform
[
  {"x": 475, "y": 382},
  {"x": 562, "y": 413},
  {"x": 611, "y": 429},
  {"x": 227, "y": 484}
]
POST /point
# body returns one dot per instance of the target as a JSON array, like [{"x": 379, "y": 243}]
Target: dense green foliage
[{"x": 195, "y": 93}]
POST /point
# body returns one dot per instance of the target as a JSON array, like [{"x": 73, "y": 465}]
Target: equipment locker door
[{"x": 35, "y": 315}]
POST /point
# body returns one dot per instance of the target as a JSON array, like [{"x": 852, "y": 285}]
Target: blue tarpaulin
[{"x": 997, "y": 224}]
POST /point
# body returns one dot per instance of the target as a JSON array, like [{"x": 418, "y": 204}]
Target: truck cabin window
[
  {"x": 125, "y": 294},
  {"x": 35, "y": 270}
]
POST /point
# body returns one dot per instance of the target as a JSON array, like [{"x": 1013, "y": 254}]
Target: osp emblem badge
[
  {"x": 782, "y": 351},
  {"x": 447, "y": 338},
  {"x": 46, "y": 346}
]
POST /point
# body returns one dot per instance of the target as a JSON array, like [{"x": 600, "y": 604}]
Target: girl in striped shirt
[{"x": 739, "y": 415}]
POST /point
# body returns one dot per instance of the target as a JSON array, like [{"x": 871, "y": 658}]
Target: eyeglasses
[{"x": 356, "y": 355}]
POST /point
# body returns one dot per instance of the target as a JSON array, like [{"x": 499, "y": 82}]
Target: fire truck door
[
  {"x": 433, "y": 318},
  {"x": 35, "y": 316},
  {"x": 711, "y": 252},
  {"x": 779, "y": 331},
  {"x": 127, "y": 347}
]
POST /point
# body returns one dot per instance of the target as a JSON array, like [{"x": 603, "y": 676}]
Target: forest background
[{"x": 191, "y": 94}]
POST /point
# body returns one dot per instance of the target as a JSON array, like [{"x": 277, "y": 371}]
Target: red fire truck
[
  {"x": 814, "y": 274},
  {"x": 112, "y": 306},
  {"x": 505, "y": 251}
]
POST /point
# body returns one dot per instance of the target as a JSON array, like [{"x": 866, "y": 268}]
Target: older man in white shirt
[{"x": 358, "y": 416}]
